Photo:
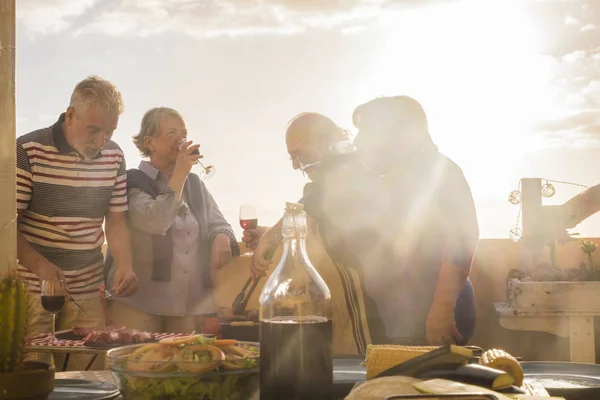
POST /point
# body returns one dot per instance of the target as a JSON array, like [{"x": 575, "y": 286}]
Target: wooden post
[
  {"x": 532, "y": 246},
  {"x": 8, "y": 198}
]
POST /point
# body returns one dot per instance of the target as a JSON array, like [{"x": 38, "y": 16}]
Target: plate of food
[{"x": 198, "y": 366}]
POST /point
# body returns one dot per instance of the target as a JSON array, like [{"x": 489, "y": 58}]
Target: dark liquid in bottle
[
  {"x": 53, "y": 304},
  {"x": 296, "y": 359},
  {"x": 249, "y": 223}
]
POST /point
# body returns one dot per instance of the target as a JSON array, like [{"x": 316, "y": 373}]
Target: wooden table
[{"x": 577, "y": 326}]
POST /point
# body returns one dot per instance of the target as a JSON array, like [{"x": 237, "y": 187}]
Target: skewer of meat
[
  {"x": 104, "y": 305},
  {"x": 113, "y": 335}
]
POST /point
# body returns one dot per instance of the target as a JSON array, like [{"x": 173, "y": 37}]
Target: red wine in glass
[
  {"x": 53, "y": 304},
  {"x": 247, "y": 224},
  {"x": 248, "y": 219}
]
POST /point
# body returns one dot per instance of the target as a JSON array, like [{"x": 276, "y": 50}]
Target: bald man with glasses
[{"x": 322, "y": 151}]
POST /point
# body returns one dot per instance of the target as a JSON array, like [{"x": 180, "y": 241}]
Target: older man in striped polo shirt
[{"x": 70, "y": 180}]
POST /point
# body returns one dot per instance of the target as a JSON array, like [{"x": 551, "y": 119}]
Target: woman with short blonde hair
[{"x": 178, "y": 232}]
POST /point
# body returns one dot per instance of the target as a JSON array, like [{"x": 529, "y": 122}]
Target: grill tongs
[{"x": 242, "y": 298}]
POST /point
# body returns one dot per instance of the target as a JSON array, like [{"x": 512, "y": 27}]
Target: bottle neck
[
  {"x": 294, "y": 226},
  {"x": 294, "y": 248},
  {"x": 295, "y": 289}
]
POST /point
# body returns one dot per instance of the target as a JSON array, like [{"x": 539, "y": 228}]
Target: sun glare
[{"x": 474, "y": 66}]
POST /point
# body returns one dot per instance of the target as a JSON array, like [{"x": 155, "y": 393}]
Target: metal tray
[
  {"x": 67, "y": 389},
  {"x": 573, "y": 381},
  {"x": 347, "y": 371}
]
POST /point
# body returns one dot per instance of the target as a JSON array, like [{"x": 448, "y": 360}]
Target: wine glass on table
[
  {"x": 248, "y": 219},
  {"x": 53, "y": 299}
]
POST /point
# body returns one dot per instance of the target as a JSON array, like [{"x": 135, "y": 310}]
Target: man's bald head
[
  {"x": 309, "y": 136},
  {"x": 311, "y": 125}
]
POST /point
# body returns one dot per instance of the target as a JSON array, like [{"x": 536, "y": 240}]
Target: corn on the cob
[
  {"x": 500, "y": 359},
  {"x": 383, "y": 357}
]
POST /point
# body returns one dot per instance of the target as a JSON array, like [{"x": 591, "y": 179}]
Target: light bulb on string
[
  {"x": 515, "y": 234},
  {"x": 514, "y": 197},
  {"x": 548, "y": 189}
]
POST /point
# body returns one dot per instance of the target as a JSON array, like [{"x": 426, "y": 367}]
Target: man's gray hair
[
  {"x": 151, "y": 125},
  {"x": 97, "y": 92}
]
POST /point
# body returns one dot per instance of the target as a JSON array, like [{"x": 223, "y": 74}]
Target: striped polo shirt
[{"x": 63, "y": 198}]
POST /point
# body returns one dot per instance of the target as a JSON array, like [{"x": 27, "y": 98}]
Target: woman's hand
[
  {"x": 186, "y": 159},
  {"x": 221, "y": 251}
]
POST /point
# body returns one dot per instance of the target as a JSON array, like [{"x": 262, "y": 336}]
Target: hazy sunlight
[{"x": 482, "y": 84}]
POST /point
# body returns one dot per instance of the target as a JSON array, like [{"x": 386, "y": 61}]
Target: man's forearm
[
  {"x": 119, "y": 243},
  {"x": 27, "y": 255},
  {"x": 451, "y": 280}
]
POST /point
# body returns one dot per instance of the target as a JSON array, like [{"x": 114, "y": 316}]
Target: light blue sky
[{"x": 511, "y": 87}]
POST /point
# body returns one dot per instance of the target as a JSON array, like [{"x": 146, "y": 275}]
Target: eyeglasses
[{"x": 302, "y": 167}]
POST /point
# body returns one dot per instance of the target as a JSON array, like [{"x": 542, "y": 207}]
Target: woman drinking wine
[{"x": 178, "y": 232}]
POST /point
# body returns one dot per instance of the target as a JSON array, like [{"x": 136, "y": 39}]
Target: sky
[{"x": 511, "y": 87}]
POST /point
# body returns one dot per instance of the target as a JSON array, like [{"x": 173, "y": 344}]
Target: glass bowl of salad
[{"x": 193, "y": 367}]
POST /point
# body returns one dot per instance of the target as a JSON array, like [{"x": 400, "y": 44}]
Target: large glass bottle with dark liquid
[{"x": 296, "y": 362}]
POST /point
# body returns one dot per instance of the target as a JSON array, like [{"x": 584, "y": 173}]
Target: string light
[
  {"x": 568, "y": 183},
  {"x": 515, "y": 234},
  {"x": 548, "y": 189},
  {"x": 516, "y": 196}
]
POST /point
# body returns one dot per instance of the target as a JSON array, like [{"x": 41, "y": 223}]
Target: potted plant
[
  {"x": 551, "y": 289},
  {"x": 19, "y": 379},
  {"x": 588, "y": 248}
]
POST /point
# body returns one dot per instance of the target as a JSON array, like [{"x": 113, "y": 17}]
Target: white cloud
[
  {"x": 49, "y": 16},
  {"x": 202, "y": 17},
  {"x": 350, "y": 30},
  {"x": 571, "y": 21}
]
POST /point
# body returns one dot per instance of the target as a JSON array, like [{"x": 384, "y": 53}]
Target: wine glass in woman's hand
[
  {"x": 248, "y": 219},
  {"x": 250, "y": 238},
  {"x": 206, "y": 172}
]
